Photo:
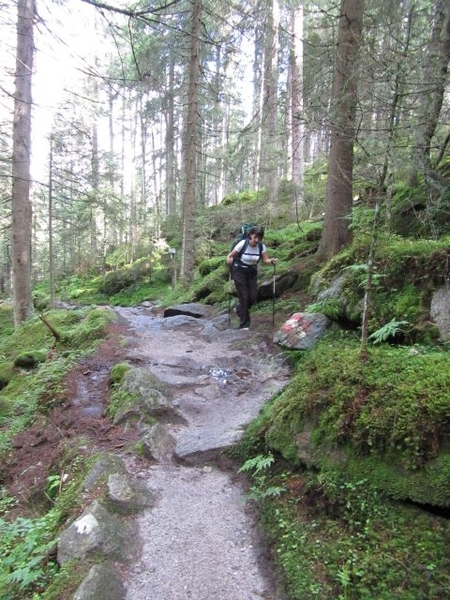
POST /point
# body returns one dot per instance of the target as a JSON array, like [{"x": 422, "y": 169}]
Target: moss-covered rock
[
  {"x": 6, "y": 373},
  {"x": 386, "y": 416},
  {"x": 118, "y": 372},
  {"x": 31, "y": 359}
]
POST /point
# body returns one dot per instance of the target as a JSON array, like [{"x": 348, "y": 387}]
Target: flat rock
[{"x": 198, "y": 311}]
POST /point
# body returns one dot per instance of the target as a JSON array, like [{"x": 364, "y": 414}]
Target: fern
[
  {"x": 259, "y": 463},
  {"x": 387, "y": 331}
]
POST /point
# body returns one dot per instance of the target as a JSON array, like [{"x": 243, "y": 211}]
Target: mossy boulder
[
  {"x": 6, "y": 373},
  {"x": 30, "y": 359},
  {"x": 385, "y": 416}
]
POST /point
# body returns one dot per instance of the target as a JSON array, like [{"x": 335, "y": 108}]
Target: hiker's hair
[{"x": 256, "y": 230}]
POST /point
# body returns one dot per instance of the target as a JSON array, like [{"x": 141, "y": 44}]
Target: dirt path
[{"x": 201, "y": 540}]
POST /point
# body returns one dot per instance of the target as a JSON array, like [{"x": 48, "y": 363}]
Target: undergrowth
[
  {"x": 335, "y": 538},
  {"x": 28, "y": 543},
  {"x": 337, "y": 459}
]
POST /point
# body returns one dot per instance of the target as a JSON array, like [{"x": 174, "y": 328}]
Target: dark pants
[{"x": 246, "y": 283}]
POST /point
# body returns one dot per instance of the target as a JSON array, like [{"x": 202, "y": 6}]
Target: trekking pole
[
  {"x": 229, "y": 297},
  {"x": 273, "y": 296}
]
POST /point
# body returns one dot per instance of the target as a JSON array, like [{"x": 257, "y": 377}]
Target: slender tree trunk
[
  {"x": 21, "y": 203},
  {"x": 435, "y": 79},
  {"x": 94, "y": 195},
  {"x": 190, "y": 150},
  {"x": 270, "y": 141},
  {"x": 402, "y": 42},
  {"x": 51, "y": 266},
  {"x": 171, "y": 203},
  {"x": 336, "y": 232},
  {"x": 296, "y": 107}
]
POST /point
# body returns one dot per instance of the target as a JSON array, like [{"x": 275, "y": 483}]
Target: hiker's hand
[
  {"x": 273, "y": 261},
  {"x": 229, "y": 260}
]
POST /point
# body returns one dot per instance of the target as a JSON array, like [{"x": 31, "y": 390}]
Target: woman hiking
[{"x": 243, "y": 260}]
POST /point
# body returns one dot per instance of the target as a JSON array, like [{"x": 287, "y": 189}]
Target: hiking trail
[{"x": 200, "y": 541}]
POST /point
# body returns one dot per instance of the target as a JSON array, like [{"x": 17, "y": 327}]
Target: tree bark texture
[
  {"x": 296, "y": 145},
  {"x": 21, "y": 203},
  {"x": 190, "y": 149},
  {"x": 435, "y": 82},
  {"x": 336, "y": 232},
  {"x": 270, "y": 154}
]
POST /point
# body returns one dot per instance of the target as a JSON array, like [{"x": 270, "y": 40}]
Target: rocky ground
[{"x": 200, "y": 540}]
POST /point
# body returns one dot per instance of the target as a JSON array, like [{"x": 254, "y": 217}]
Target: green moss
[
  {"x": 396, "y": 405},
  {"x": 337, "y": 537},
  {"x": 119, "y": 399},
  {"x": 29, "y": 360},
  {"x": 117, "y": 373},
  {"x": 6, "y": 318},
  {"x": 89, "y": 329},
  {"x": 7, "y": 372},
  {"x": 427, "y": 486}
]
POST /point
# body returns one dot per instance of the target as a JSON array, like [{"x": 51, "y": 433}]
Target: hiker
[{"x": 243, "y": 260}]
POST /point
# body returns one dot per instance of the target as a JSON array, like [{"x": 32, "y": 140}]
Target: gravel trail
[{"x": 201, "y": 539}]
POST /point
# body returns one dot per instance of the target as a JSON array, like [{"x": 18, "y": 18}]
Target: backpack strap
[
  {"x": 244, "y": 248},
  {"x": 241, "y": 251}
]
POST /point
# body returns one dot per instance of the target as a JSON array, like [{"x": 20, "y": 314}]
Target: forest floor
[{"x": 201, "y": 541}]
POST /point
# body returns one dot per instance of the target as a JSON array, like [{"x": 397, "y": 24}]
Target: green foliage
[
  {"x": 390, "y": 330},
  {"x": 258, "y": 466},
  {"x": 6, "y": 373},
  {"x": 247, "y": 198},
  {"x": 348, "y": 401},
  {"x": 28, "y": 392},
  {"x": 117, "y": 373},
  {"x": 405, "y": 274},
  {"x": 6, "y": 319},
  {"x": 208, "y": 266},
  {"x": 336, "y": 538},
  {"x": 27, "y": 545},
  {"x": 90, "y": 329},
  {"x": 116, "y": 281},
  {"x": 29, "y": 360},
  {"x": 25, "y": 549},
  {"x": 329, "y": 307},
  {"x": 419, "y": 211}
]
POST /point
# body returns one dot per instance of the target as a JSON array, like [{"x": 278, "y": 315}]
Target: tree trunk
[
  {"x": 51, "y": 264},
  {"x": 435, "y": 79},
  {"x": 296, "y": 145},
  {"x": 169, "y": 112},
  {"x": 21, "y": 203},
  {"x": 269, "y": 137},
  {"x": 336, "y": 232},
  {"x": 190, "y": 149}
]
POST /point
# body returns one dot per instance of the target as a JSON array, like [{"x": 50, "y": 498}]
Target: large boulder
[
  {"x": 150, "y": 399},
  {"x": 301, "y": 331},
  {"x": 97, "y": 532},
  {"x": 283, "y": 282},
  {"x": 101, "y": 583},
  {"x": 129, "y": 495},
  {"x": 440, "y": 311}
]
